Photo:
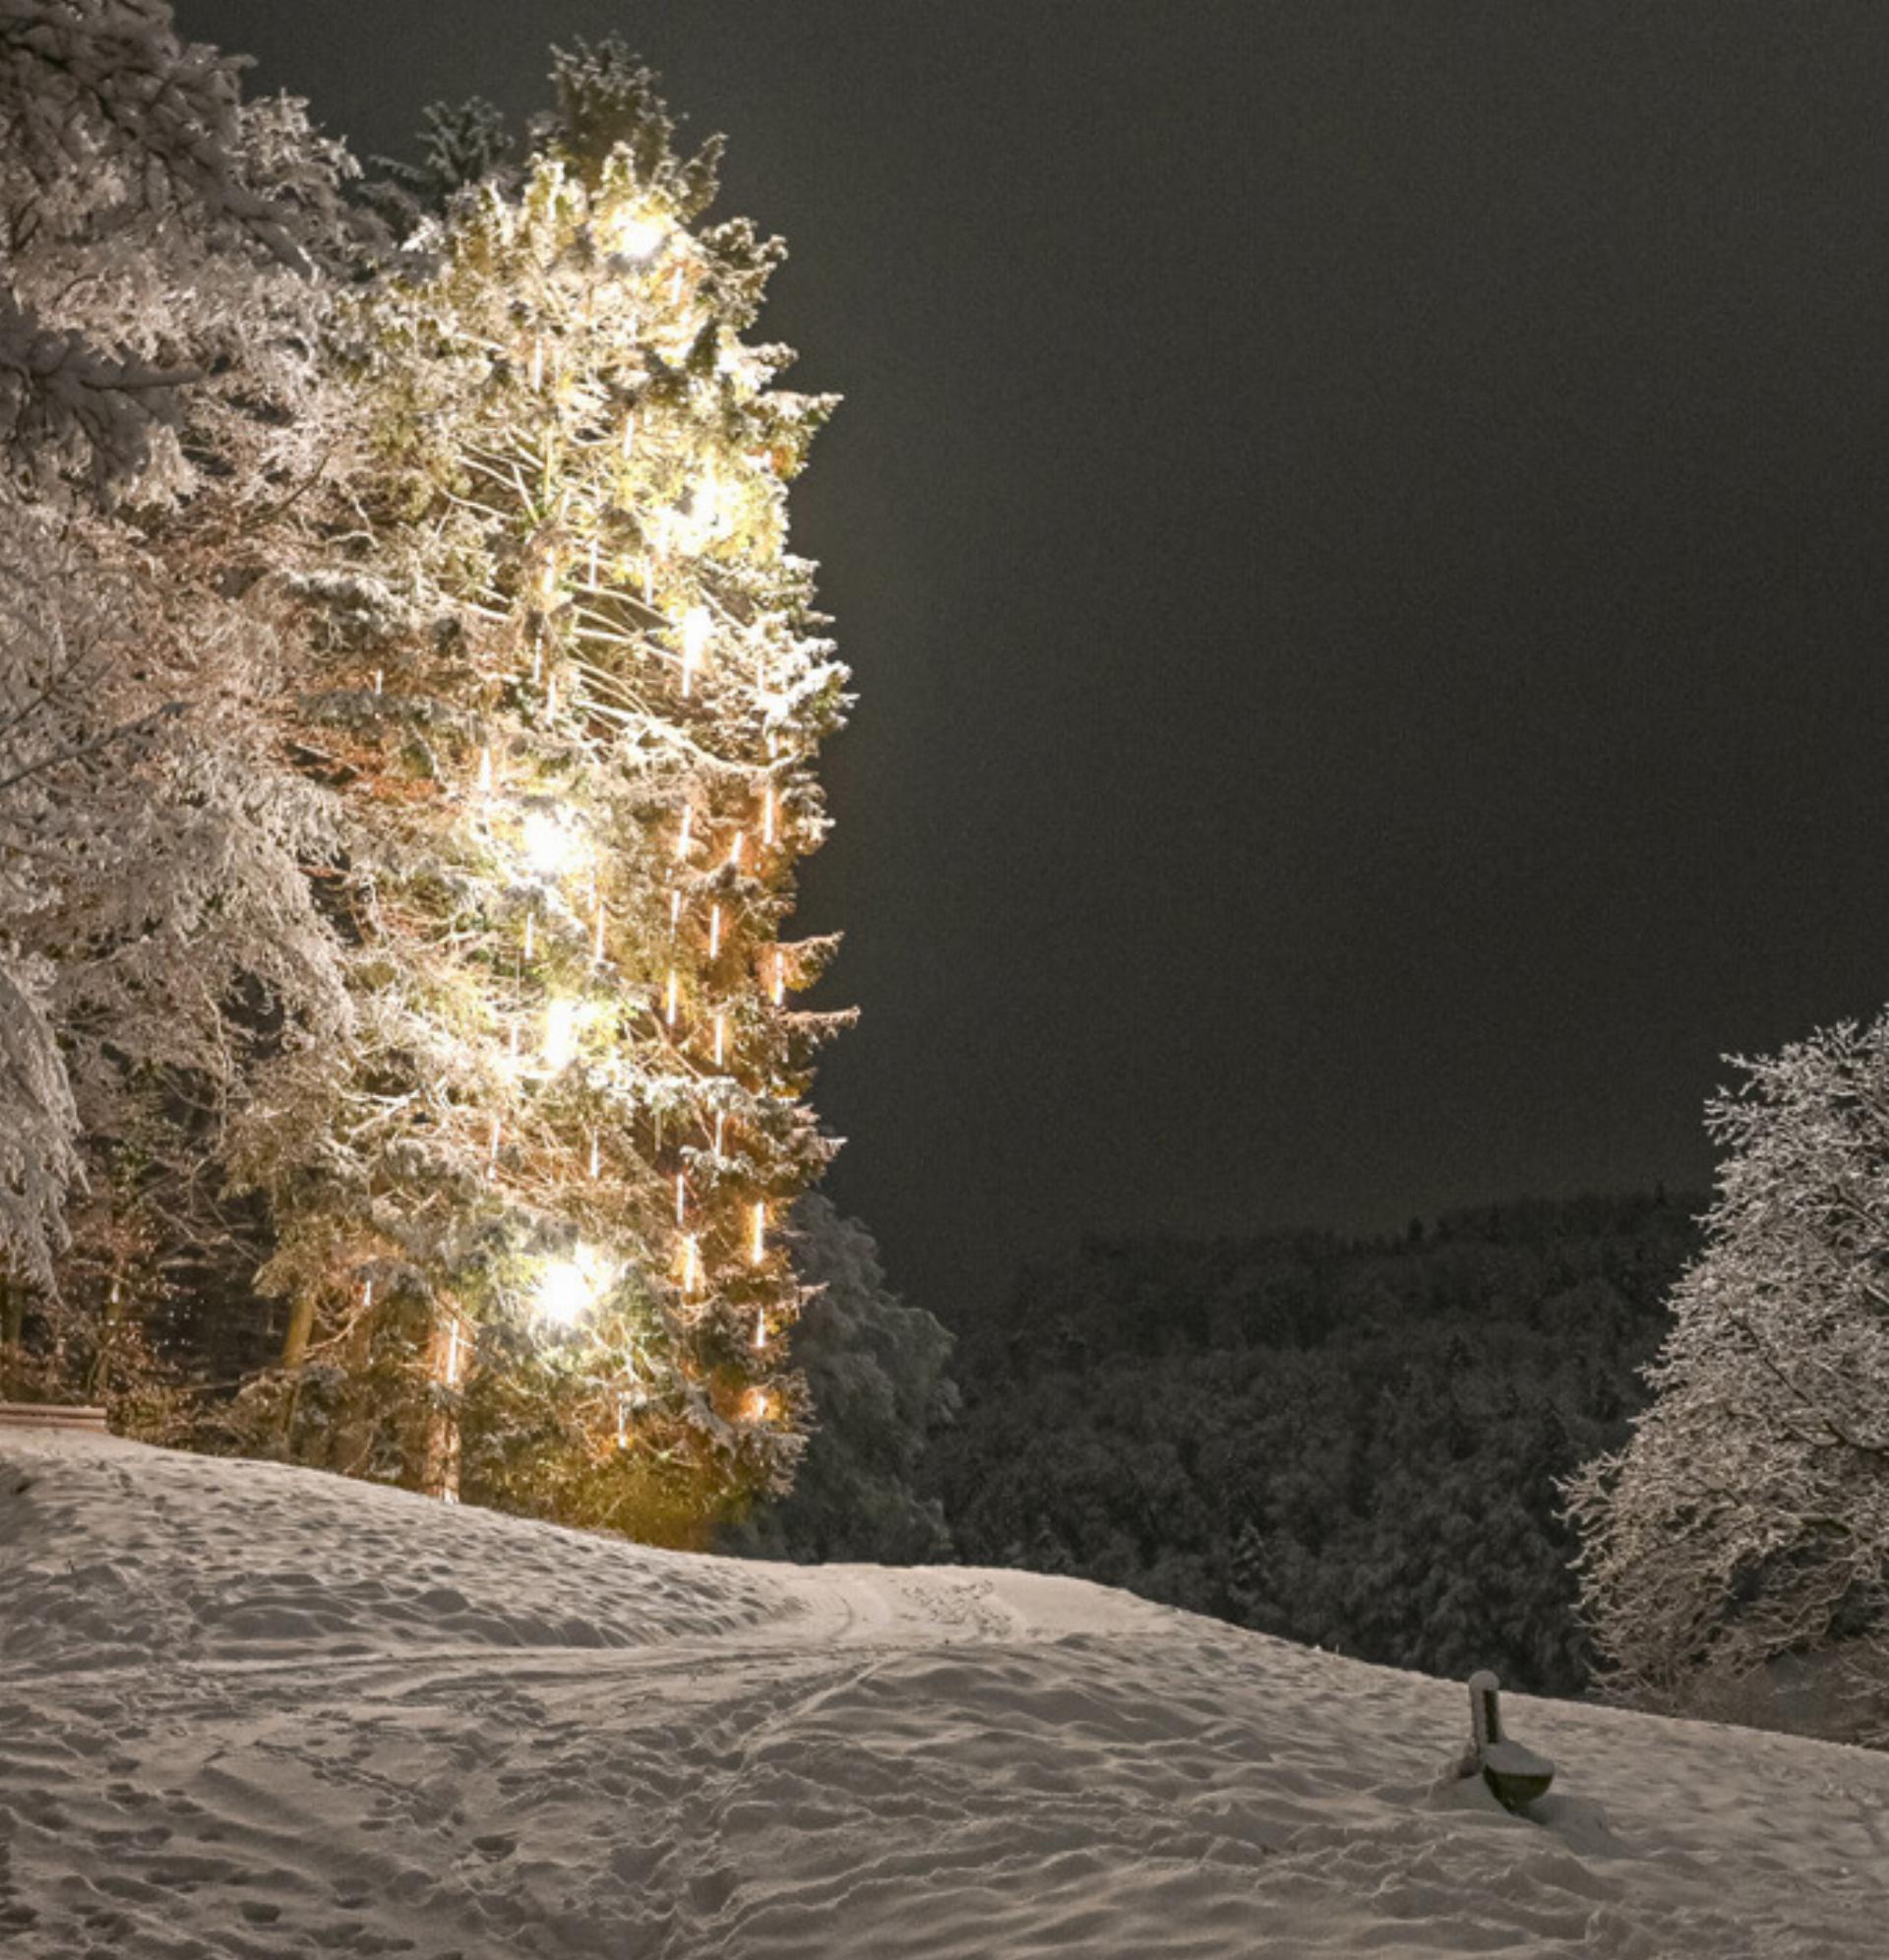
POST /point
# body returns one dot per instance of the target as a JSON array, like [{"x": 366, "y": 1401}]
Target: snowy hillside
[{"x": 255, "y": 1711}]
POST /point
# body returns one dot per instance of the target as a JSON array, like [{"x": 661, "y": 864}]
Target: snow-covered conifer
[{"x": 575, "y": 687}]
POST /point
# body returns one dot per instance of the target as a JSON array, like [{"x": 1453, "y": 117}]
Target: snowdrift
[{"x": 255, "y": 1711}]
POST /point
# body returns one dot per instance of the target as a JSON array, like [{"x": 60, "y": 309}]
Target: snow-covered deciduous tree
[{"x": 1748, "y": 1517}]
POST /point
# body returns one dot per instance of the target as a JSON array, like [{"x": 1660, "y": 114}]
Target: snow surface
[{"x": 256, "y": 1711}]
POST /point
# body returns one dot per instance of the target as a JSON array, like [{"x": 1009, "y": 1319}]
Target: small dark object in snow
[{"x": 1515, "y": 1774}]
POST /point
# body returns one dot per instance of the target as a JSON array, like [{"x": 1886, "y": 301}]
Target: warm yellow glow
[
  {"x": 551, "y": 846},
  {"x": 761, "y": 1329},
  {"x": 566, "y": 1289},
  {"x": 669, "y": 1012},
  {"x": 562, "y": 1019},
  {"x": 696, "y": 628},
  {"x": 757, "y": 1239},
  {"x": 714, "y": 932},
  {"x": 760, "y": 1403},
  {"x": 780, "y": 977},
  {"x": 635, "y": 234}
]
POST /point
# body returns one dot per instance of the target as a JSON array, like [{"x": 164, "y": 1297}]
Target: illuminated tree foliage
[
  {"x": 530, "y": 1224},
  {"x": 1748, "y": 1517}
]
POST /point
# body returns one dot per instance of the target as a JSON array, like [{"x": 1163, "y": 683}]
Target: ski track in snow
[{"x": 254, "y": 1711}]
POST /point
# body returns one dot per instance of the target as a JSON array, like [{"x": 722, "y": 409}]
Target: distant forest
[{"x": 1350, "y": 1443}]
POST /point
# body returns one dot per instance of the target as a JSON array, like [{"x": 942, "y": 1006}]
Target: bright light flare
[
  {"x": 635, "y": 235},
  {"x": 566, "y": 1289},
  {"x": 551, "y": 845}
]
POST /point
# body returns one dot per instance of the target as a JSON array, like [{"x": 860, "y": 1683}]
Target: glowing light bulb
[
  {"x": 567, "y": 1289},
  {"x": 714, "y": 932},
  {"x": 759, "y": 1405},
  {"x": 550, "y": 845},
  {"x": 635, "y": 235},
  {"x": 696, "y": 628},
  {"x": 758, "y": 1237},
  {"x": 561, "y": 1020}
]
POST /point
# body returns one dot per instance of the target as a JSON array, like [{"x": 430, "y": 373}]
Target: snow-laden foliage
[
  {"x": 571, "y": 690},
  {"x": 166, "y": 412},
  {"x": 877, "y": 1369},
  {"x": 1748, "y": 1517},
  {"x": 149, "y": 863},
  {"x": 141, "y": 202}
]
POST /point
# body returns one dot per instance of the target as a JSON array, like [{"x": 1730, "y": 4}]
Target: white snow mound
[{"x": 253, "y": 1711}]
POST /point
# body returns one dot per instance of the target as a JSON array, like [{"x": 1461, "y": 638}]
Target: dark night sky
[{"x": 1360, "y": 531}]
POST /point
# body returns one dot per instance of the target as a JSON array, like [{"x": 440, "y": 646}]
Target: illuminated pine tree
[{"x": 530, "y": 1230}]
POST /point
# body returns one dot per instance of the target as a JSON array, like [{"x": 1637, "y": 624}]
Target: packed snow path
[{"x": 254, "y": 1711}]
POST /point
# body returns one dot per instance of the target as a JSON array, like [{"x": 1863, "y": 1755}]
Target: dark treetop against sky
[{"x": 1363, "y": 533}]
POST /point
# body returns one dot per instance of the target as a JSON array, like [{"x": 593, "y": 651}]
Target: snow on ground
[{"x": 246, "y": 1710}]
